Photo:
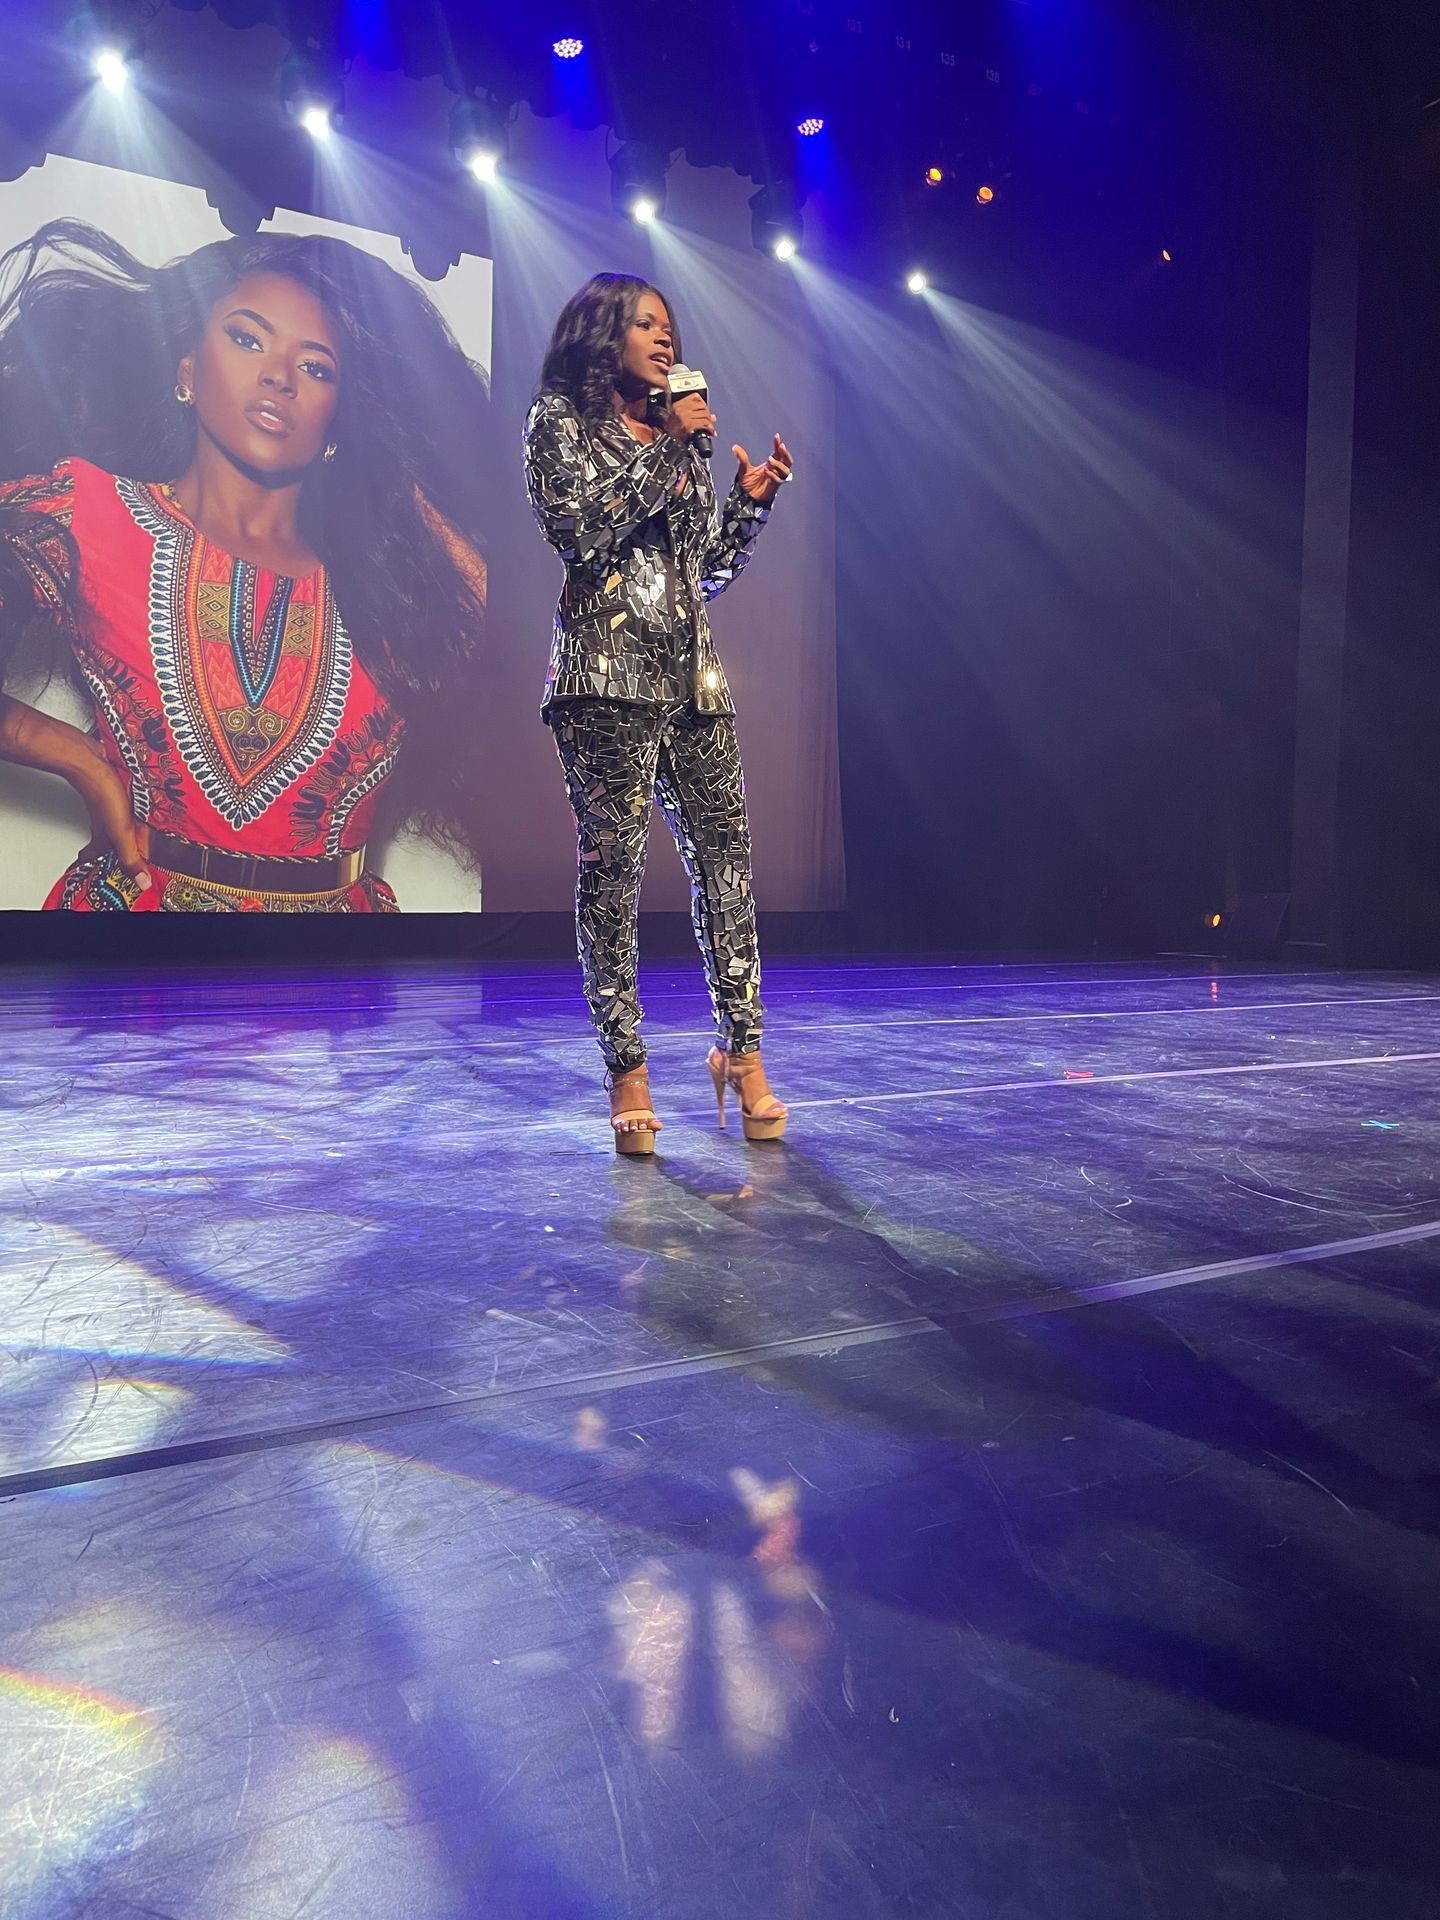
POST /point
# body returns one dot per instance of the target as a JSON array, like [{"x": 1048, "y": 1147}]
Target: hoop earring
[
  {"x": 184, "y": 395},
  {"x": 329, "y": 454}
]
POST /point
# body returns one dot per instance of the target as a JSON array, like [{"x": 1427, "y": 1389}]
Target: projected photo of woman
[
  {"x": 223, "y": 515},
  {"x": 636, "y": 695}
]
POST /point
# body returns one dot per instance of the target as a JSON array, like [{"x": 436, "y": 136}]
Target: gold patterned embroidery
[{"x": 184, "y": 895}]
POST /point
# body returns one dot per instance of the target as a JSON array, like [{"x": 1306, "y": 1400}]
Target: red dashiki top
[{"x": 228, "y": 698}]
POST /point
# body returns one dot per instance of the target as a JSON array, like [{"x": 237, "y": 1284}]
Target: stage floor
[{"x": 1014, "y": 1497}]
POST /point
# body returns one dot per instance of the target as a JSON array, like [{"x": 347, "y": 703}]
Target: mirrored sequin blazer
[{"x": 642, "y": 556}]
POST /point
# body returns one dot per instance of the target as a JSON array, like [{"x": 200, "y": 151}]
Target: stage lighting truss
[
  {"x": 312, "y": 90},
  {"x": 775, "y": 223},
  {"x": 637, "y": 180},
  {"x": 479, "y": 135}
]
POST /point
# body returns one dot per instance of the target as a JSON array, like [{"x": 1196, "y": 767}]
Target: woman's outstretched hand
[
  {"x": 113, "y": 826},
  {"x": 764, "y": 481}
]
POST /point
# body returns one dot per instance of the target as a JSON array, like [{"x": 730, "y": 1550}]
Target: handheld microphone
[{"x": 683, "y": 380}]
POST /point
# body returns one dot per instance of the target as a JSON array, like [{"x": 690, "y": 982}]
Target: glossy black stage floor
[{"x": 1014, "y": 1497}]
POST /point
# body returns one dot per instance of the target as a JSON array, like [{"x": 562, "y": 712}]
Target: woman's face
[
  {"x": 649, "y": 350},
  {"x": 266, "y": 374}
]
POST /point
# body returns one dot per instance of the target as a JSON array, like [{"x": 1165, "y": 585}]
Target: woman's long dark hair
[
  {"x": 90, "y": 341},
  {"x": 583, "y": 358}
]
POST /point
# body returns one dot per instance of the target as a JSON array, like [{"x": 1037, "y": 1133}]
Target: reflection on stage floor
[{"x": 1013, "y": 1497}]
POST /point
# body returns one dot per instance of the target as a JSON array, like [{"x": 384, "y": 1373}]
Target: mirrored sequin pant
[{"x": 618, "y": 761}]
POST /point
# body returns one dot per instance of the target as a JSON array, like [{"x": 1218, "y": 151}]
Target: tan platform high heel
[
  {"x": 631, "y": 1114},
  {"x": 762, "y": 1116}
]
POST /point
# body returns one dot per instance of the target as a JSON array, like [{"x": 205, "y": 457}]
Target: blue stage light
[
  {"x": 570, "y": 48},
  {"x": 811, "y": 126}
]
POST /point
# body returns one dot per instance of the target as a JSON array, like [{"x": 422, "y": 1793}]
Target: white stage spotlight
[
  {"x": 775, "y": 222},
  {"x": 637, "y": 180},
  {"x": 112, "y": 69},
  {"x": 479, "y": 135},
  {"x": 312, "y": 91}
]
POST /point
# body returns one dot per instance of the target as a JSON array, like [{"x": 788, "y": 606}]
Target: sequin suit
[{"x": 639, "y": 706}]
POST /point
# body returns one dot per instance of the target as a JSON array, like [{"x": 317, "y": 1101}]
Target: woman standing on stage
[
  {"x": 222, "y": 516},
  {"x": 635, "y": 693}
]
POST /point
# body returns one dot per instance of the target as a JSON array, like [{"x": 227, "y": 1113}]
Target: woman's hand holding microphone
[{"x": 689, "y": 414}]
